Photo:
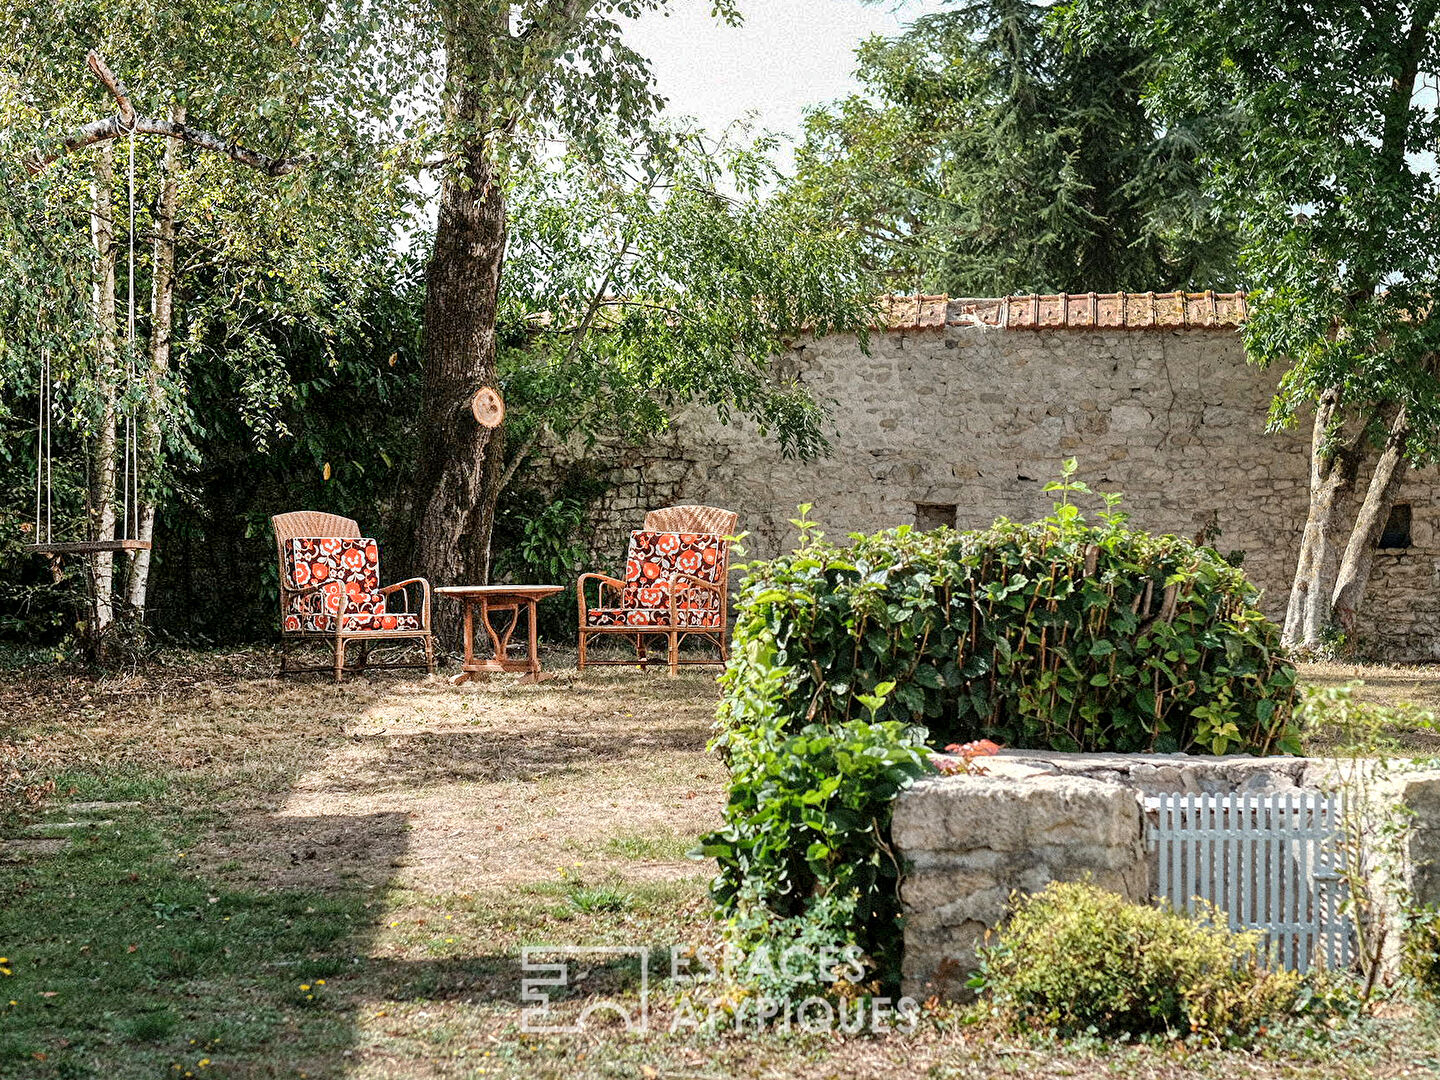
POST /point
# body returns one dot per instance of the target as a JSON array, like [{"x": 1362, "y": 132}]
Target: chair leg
[
  {"x": 643, "y": 660},
  {"x": 430, "y": 654},
  {"x": 364, "y": 657},
  {"x": 674, "y": 653},
  {"x": 284, "y": 656},
  {"x": 339, "y": 658},
  {"x": 582, "y": 650}
]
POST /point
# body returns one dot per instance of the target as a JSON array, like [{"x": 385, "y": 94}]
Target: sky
[{"x": 787, "y": 55}]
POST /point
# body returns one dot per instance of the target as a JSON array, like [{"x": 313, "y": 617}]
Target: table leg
[
  {"x": 534, "y": 674},
  {"x": 534, "y": 642},
  {"x": 469, "y": 623}
]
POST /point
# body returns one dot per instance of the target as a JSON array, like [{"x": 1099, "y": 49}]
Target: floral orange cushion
[
  {"x": 659, "y": 562},
  {"x": 651, "y": 617},
  {"x": 325, "y": 624},
  {"x": 345, "y": 569}
]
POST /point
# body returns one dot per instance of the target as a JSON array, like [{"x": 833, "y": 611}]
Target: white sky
[{"x": 787, "y": 55}]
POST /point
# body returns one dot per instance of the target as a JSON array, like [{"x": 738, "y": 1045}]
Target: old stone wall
[
  {"x": 961, "y": 424},
  {"x": 970, "y": 841}
]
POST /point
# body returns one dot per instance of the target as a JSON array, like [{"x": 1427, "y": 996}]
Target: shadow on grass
[{"x": 122, "y": 962}]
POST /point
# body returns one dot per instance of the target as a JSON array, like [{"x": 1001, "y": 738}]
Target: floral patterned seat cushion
[
  {"x": 653, "y": 564},
  {"x": 347, "y": 567}
]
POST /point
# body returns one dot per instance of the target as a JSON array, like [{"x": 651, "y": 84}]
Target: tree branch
[{"x": 127, "y": 122}]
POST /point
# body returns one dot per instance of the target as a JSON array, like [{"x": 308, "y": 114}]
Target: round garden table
[{"x": 489, "y": 598}]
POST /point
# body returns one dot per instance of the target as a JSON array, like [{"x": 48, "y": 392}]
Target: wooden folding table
[{"x": 492, "y": 598}]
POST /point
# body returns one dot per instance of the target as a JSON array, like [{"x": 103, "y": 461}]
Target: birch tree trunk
[
  {"x": 1332, "y": 473},
  {"x": 107, "y": 372},
  {"x": 162, "y": 319},
  {"x": 1311, "y": 608},
  {"x": 1356, "y": 564}
]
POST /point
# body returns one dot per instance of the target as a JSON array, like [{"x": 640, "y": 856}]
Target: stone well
[{"x": 969, "y": 842}]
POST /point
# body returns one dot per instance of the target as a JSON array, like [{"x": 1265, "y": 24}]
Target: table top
[{"x": 498, "y": 592}]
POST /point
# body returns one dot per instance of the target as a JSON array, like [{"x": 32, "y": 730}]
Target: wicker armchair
[
  {"x": 676, "y": 585},
  {"x": 330, "y": 592}
]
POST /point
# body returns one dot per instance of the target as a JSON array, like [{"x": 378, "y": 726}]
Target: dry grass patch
[{"x": 401, "y": 839}]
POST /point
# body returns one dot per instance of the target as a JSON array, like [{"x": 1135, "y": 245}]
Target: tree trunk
[
  {"x": 107, "y": 371},
  {"x": 162, "y": 320},
  {"x": 1311, "y": 609},
  {"x": 1332, "y": 472},
  {"x": 1359, "y": 558},
  {"x": 459, "y": 461}
]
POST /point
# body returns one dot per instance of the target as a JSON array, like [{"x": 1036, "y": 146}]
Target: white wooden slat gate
[{"x": 1271, "y": 862}]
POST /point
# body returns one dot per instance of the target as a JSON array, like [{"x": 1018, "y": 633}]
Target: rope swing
[{"x": 129, "y": 527}]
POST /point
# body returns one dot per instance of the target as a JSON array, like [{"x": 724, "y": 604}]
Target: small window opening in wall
[
  {"x": 1397, "y": 527},
  {"x": 932, "y": 515}
]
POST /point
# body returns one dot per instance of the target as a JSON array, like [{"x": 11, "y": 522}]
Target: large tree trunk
[
  {"x": 1332, "y": 473},
  {"x": 1311, "y": 609},
  {"x": 162, "y": 320},
  {"x": 1359, "y": 558},
  {"x": 490, "y": 73},
  {"x": 107, "y": 372},
  {"x": 460, "y": 461}
]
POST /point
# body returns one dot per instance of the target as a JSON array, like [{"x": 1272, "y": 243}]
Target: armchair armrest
[
  {"x": 299, "y": 590},
  {"x": 604, "y": 579},
  {"x": 289, "y": 589},
  {"x": 689, "y": 581},
  {"x": 399, "y": 586},
  {"x": 681, "y": 583}
]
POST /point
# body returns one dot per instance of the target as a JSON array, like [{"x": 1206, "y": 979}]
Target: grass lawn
[{"x": 242, "y": 878}]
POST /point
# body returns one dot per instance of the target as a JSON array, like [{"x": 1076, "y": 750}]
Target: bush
[
  {"x": 1421, "y": 953},
  {"x": 1058, "y": 635},
  {"x": 805, "y": 858},
  {"x": 1075, "y": 959}
]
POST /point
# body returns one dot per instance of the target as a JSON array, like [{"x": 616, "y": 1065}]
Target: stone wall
[
  {"x": 969, "y": 841},
  {"x": 978, "y": 419}
]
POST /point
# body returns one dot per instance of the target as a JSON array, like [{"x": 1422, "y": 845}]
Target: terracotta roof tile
[{"x": 1068, "y": 311}]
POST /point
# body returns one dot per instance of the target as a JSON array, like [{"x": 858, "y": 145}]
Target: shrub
[
  {"x": 1421, "y": 951},
  {"x": 1060, "y": 635},
  {"x": 804, "y": 854},
  {"x": 1076, "y": 959}
]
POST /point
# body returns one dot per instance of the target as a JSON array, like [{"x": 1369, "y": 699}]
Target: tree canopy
[
  {"x": 1318, "y": 126},
  {"x": 990, "y": 154}
]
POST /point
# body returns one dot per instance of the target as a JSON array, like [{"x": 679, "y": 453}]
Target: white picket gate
[{"x": 1271, "y": 862}]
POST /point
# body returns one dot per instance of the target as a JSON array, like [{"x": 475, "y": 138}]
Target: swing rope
[
  {"x": 132, "y": 463},
  {"x": 43, "y": 470},
  {"x": 44, "y": 457}
]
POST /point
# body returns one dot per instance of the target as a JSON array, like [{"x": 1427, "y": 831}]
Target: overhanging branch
[{"x": 127, "y": 122}]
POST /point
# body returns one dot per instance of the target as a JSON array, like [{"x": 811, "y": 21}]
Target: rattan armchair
[
  {"x": 676, "y": 586},
  {"x": 330, "y": 592}
]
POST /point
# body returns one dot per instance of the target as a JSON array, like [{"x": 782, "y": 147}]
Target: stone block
[{"x": 970, "y": 843}]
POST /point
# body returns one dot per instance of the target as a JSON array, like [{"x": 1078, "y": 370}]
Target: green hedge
[{"x": 1061, "y": 634}]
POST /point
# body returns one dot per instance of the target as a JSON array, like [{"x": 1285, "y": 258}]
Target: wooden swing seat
[{"x": 89, "y": 547}]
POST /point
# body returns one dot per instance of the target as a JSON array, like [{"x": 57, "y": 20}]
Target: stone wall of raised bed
[{"x": 970, "y": 842}]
